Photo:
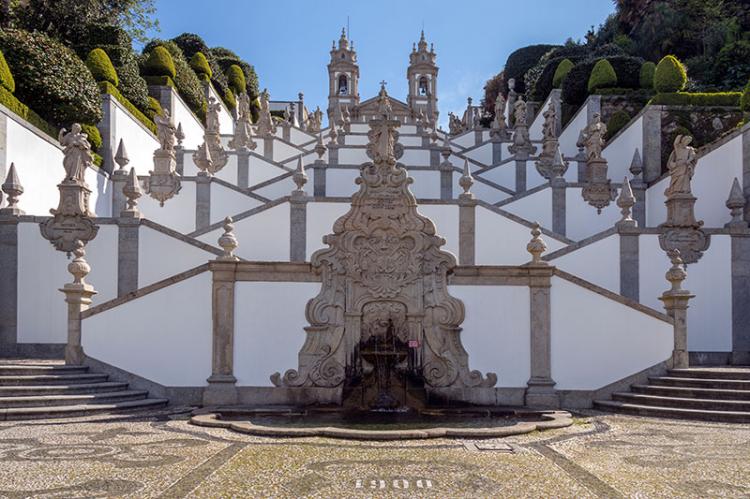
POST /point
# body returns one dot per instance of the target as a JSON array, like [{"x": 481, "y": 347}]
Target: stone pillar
[
  {"x": 435, "y": 156},
  {"x": 319, "y": 179},
  {"x": 629, "y": 262},
  {"x": 179, "y": 153},
  {"x": 107, "y": 129},
  {"x": 467, "y": 208},
  {"x": 581, "y": 162},
  {"x": 221, "y": 389},
  {"x": 477, "y": 136},
  {"x": 559, "y": 188},
  {"x": 202, "y": 201},
  {"x": 745, "y": 171},
  {"x": 497, "y": 151},
  {"x": 268, "y": 148},
  {"x": 521, "y": 172},
  {"x": 676, "y": 304},
  {"x": 8, "y": 283},
  {"x": 165, "y": 95},
  {"x": 78, "y": 297},
  {"x": 593, "y": 106},
  {"x": 118, "y": 179},
  {"x": 651, "y": 143},
  {"x": 243, "y": 168},
  {"x": 298, "y": 227},
  {"x": 639, "y": 209},
  {"x": 740, "y": 295},
  {"x": 540, "y": 391},
  {"x": 446, "y": 181},
  {"x": 127, "y": 254},
  {"x": 286, "y": 132},
  {"x": 333, "y": 153}
]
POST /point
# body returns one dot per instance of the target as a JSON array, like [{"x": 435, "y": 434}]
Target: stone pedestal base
[
  {"x": 740, "y": 358},
  {"x": 542, "y": 394},
  {"x": 78, "y": 298},
  {"x": 221, "y": 390},
  {"x": 680, "y": 359}
]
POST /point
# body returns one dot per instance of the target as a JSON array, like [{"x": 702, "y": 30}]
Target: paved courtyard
[{"x": 163, "y": 456}]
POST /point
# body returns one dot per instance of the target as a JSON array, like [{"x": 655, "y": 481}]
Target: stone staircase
[
  {"x": 51, "y": 389},
  {"x": 704, "y": 393}
]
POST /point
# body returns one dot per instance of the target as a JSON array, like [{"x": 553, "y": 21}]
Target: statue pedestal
[
  {"x": 681, "y": 230},
  {"x": 164, "y": 183},
  {"x": 78, "y": 298},
  {"x": 598, "y": 191}
]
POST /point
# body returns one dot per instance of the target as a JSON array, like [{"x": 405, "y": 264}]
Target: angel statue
[
  {"x": 681, "y": 166},
  {"x": 77, "y": 153},
  {"x": 165, "y": 130}
]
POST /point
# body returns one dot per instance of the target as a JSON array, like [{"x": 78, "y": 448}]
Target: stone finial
[
  {"x": 132, "y": 191},
  {"x": 299, "y": 177},
  {"x": 12, "y": 188},
  {"x": 202, "y": 159},
  {"x": 446, "y": 150},
  {"x": 121, "y": 157},
  {"x": 333, "y": 135},
  {"x": 179, "y": 134},
  {"x": 79, "y": 267},
  {"x": 676, "y": 274},
  {"x": 736, "y": 204},
  {"x": 536, "y": 246},
  {"x": 636, "y": 164},
  {"x": 228, "y": 242},
  {"x": 466, "y": 181},
  {"x": 625, "y": 202},
  {"x": 320, "y": 148}
]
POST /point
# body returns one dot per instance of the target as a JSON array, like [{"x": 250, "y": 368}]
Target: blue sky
[{"x": 289, "y": 41}]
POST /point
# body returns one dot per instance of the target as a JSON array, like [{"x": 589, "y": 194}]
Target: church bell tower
[
  {"x": 422, "y": 76},
  {"x": 343, "y": 77}
]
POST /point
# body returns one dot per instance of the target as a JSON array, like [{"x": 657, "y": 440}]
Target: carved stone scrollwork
[
  {"x": 383, "y": 263},
  {"x": 164, "y": 182}
]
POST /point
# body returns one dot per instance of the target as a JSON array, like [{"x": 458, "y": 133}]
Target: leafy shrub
[
  {"x": 6, "y": 77},
  {"x": 159, "y": 63},
  {"x": 95, "y": 138},
  {"x": 602, "y": 76},
  {"x": 229, "y": 99},
  {"x": 616, "y": 122},
  {"x": 9, "y": 100},
  {"x": 521, "y": 61},
  {"x": 107, "y": 88},
  {"x": 745, "y": 99},
  {"x": 185, "y": 80},
  {"x": 51, "y": 78},
  {"x": 101, "y": 67},
  {"x": 646, "y": 75},
  {"x": 732, "y": 66},
  {"x": 561, "y": 72},
  {"x": 164, "y": 81},
  {"x": 718, "y": 99},
  {"x": 627, "y": 68},
  {"x": 670, "y": 75},
  {"x": 574, "y": 86},
  {"x": 154, "y": 108},
  {"x": 190, "y": 44},
  {"x": 200, "y": 65},
  {"x": 236, "y": 79}
]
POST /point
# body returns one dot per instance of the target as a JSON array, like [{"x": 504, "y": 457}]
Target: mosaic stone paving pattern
[{"x": 161, "y": 455}]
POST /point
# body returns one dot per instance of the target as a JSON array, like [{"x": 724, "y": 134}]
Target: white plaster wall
[
  {"x": 504, "y": 175},
  {"x": 598, "y": 262},
  {"x": 710, "y": 312},
  {"x": 619, "y": 152},
  {"x": 279, "y": 188},
  {"x": 356, "y": 140},
  {"x": 340, "y": 182},
  {"x": 191, "y": 126},
  {"x": 226, "y": 121},
  {"x": 535, "y": 207},
  {"x": 164, "y": 336},
  {"x": 501, "y": 241},
  {"x": 711, "y": 184},
  {"x": 139, "y": 142},
  {"x": 464, "y": 140},
  {"x": 320, "y": 219},
  {"x": 482, "y": 191},
  {"x": 533, "y": 178},
  {"x": 351, "y": 156},
  {"x": 260, "y": 170},
  {"x": 445, "y": 218},
  {"x": 582, "y": 219},
  {"x": 569, "y": 135},
  {"x": 416, "y": 157},
  {"x": 177, "y": 213},
  {"x": 410, "y": 140},
  {"x": 483, "y": 154},
  {"x": 496, "y": 331},
  {"x": 229, "y": 172},
  {"x": 597, "y": 341},
  {"x": 283, "y": 151},
  {"x": 42, "y": 271},
  {"x": 265, "y": 339},
  {"x": 426, "y": 184},
  {"x": 226, "y": 202},
  {"x": 263, "y": 236},
  {"x": 300, "y": 137},
  {"x": 100, "y": 200},
  {"x": 161, "y": 256},
  {"x": 535, "y": 129}
]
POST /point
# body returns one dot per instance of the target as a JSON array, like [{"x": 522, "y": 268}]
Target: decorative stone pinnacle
[
  {"x": 466, "y": 181},
  {"x": 12, "y": 188},
  {"x": 132, "y": 191},
  {"x": 333, "y": 135},
  {"x": 676, "y": 274},
  {"x": 736, "y": 204},
  {"x": 179, "y": 134},
  {"x": 446, "y": 150},
  {"x": 636, "y": 165},
  {"x": 228, "y": 242},
  {"x": 79, "y": 268},
  {"x": 121, "y": 157},
  {"x": 320, "y": 148},
  {"x": 203, "y": 160},
  {"x": 299, "y": 177},
  {"x": 536, "y": 246},
  {"x": 625, "y": 202}
]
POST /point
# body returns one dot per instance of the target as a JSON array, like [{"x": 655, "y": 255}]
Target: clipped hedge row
[
  {"x": 101, "y": 67},
  {"x": 603, "y": 75},
  {"x": 670, "y": 75},
  {"x": 107, "y": 88},
  {"x": 6, "y": 77},
  {"x": 646, "y": 75},
  {"x": 94, "y": 137},
  {"x": 561, "y": 72},
  {"x": 575, "y": 85},
  {"x": 521, "y": 61},
  {"x": 719, "y": 99},
  {"x": 236, "y": 78},
  {"x": 191, "y": 44},
  {"x": 199, "y": 63},
  {"x": 159, "y": 63},
  {"x": 10, "y": 101},
  {"x": 745, "y": 99}
]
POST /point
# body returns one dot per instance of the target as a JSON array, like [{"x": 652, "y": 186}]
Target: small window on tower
[
  {"x": 343, "y": 85},
  {"x": 423, "y": 86}
]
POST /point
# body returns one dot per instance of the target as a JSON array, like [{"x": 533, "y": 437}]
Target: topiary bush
[
  {"x": 561, "y": 72},
  {"x": 236, "y": 79},
  {"x": 230, "y": 100},
  {"x": 627, "y": 68},
  {"x": 745, "y": 99},
  {"x": 95, "y": 138},
  {"x": 185, "y": 81},
  {"x": 616, "y": 122},
  {"x": 6, "y": 76},
  {"x": 190, "y": 44},
  {"x": 646, "y": 75},
  {"x": 574, "y": 86},
  {"x": 602, "y": 76},
  {"x": 670, "y": 75},
  {"x": 521, "y": 61},
  {"x": 51, "y": 78},
  {"x": 154, "y": 108},
  {"x": 199, "y": 63},
  {"x": 716, "y": 99},
  {"x": 101, "y": 67},
  {"x": 159, "y": 63}
]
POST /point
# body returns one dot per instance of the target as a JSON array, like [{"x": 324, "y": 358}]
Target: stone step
[
  {"x": 79, "y": 399},
  {"x": 673, "y": 412},
  {"x": 68, "y": 411},
  {"x": 688, "y": 392},
  {"x": 722, "y": 384},
  {"x": 40, "y": 369},
  {"x": 41, "y": 390},
  {"x": 733, "y": 373},
  {"x": 685, "y": 403},
  {"x": 51, "y": 379}
]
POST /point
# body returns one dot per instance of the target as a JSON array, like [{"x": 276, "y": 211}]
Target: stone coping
[{"x": 549, "y": 420}]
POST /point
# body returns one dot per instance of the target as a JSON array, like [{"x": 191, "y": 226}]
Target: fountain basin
[{"x": 474, "y": 422}]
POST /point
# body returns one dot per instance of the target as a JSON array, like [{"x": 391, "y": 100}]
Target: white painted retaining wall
[
  {"x": 598, "y": 262},
  {"x": 619, "y": 152},
  {"x": 226, "y": 120},
  {"x": 177, "y": 213},
  {"x": 139, "y": 141},
  {"x": 161, "y": 256},
  {"x": 191, "y": 126}
]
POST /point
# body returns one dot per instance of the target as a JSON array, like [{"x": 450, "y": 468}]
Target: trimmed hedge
[
  {"x": 628, "y": 70},
  {"x": 574, "y": 86},
  {"x": 94, "y": 137},
  {"x": 646, "y": 75},
  {"x": 670, "y": 75},
  {"x": 229, "y": 99},
  {"x": 10, "y": 101},
  {"x": 616, "y": 122},
  {"x": 154, "y": 108},
  {"x": 521, "y": 61},
  {"x": 101, "y": 67},
  {"x": 164, "y": 81},
  {"x": 719, "y": 99},
  {"x": 745, "y": 99},
  {"x": 51, "y": 78},
  {"x": 602, "y": 76},
  {"x": 159, "y": 63},
  {"x": 107, "y": 88},
  {"x": 199, "y": 63},
  {"x": 561, "y": 72},
  {"x": 236, "y": 79},
  {"x": 6, "y": 77},
  {"x": 190, "y": 44}
]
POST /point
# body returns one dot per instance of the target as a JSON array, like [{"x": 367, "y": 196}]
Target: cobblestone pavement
[{"x": 161, "y": 455}]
